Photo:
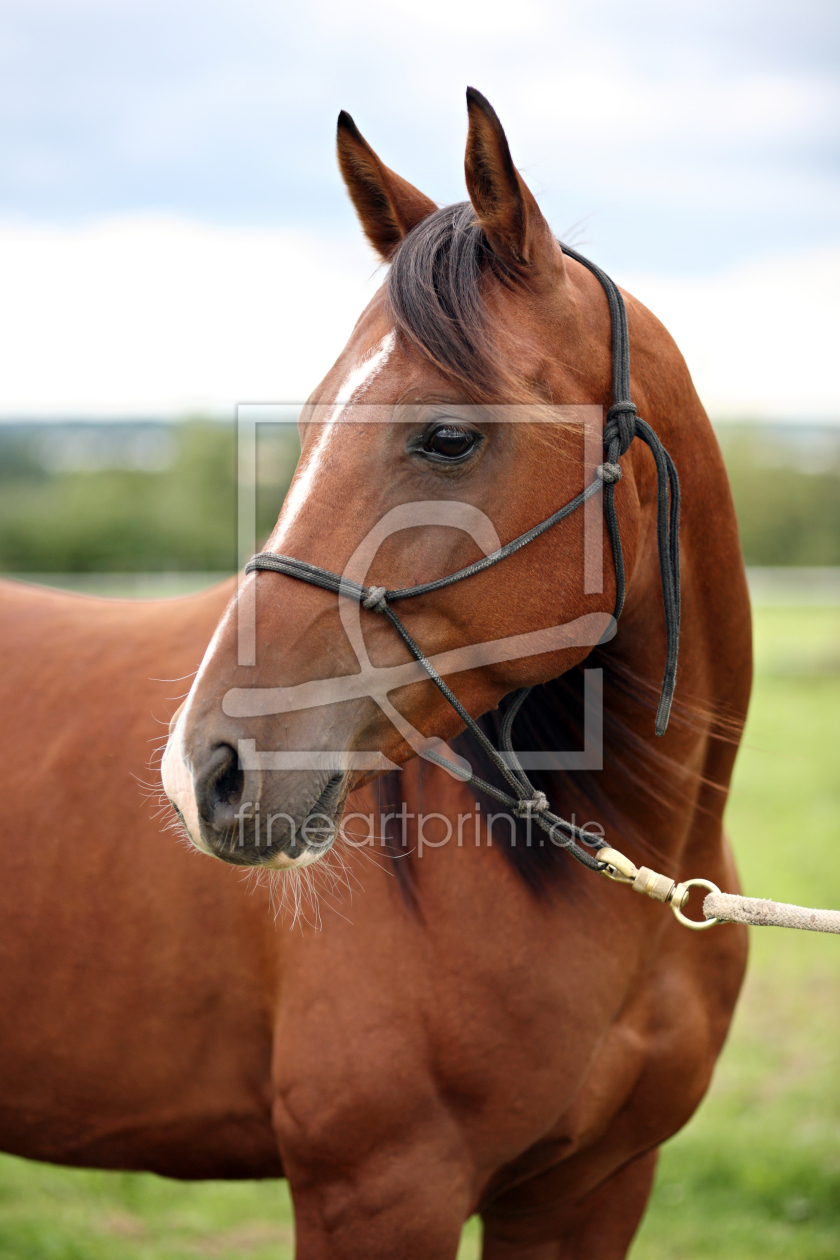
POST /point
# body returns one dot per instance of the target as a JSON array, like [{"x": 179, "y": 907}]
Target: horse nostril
[
  {"x": 228, "y": 784},
  {"x": 219, "y": 789}
]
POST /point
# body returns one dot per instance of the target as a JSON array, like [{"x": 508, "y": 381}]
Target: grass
[
  {"x": 755, "y": 1174},
  {"x": 49, "y": 1213},
  {"x": 757, "y": 1171}
]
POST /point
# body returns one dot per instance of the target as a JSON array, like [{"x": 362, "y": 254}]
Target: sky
[{"x": 174, "y": 234}]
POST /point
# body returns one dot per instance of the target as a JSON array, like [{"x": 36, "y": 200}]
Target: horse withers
[{"x": 489, "y": 1026}]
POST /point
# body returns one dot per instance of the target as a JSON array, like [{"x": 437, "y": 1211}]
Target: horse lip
[
  {"x": 327, "y": 806},
  {"x": 330, "y": 799},
  {"x": 307, "y": 849}
]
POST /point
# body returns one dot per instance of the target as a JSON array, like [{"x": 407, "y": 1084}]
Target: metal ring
[{"x": 693, "y": 923}]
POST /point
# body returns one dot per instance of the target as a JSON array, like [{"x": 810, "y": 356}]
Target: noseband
[{"x": 621, "y": 427}]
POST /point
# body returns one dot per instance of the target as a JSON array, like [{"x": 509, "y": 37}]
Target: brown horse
[{"x": 486, "y": 1025}]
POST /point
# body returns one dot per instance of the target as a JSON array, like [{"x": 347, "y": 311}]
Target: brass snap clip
[{"x": 659, "y": 887}]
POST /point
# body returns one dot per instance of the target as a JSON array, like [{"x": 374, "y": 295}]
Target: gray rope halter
[{"x": 621, "y": 427}]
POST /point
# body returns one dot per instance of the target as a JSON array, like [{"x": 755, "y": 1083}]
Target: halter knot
[
  {"x": 375, "y": 599},
  {"x": 621, "y": 424},
  {"x": 536, "y": 804},
  {"x": 609, "y": 472}
]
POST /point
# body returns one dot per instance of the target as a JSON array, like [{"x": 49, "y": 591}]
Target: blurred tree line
[
  {"x": 786, "y": 484},
  {"x": 132, "y": 497},
  {"x": 150, "y": 497}
]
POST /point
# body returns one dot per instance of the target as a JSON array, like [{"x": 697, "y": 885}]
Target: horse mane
[{"x": 437, "y": 300}]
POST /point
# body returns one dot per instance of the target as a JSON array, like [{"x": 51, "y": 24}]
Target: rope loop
[
  {"x": 609, "y": 472},
  {"x": 537, "y": 804},
  {"x": 621, "y": 424},
  {"x": 375, "y": 599}
]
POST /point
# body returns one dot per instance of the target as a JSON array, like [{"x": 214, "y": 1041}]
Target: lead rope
[
  {"x": 718, "y": 907},
  {"x": 721, "y": 907}
]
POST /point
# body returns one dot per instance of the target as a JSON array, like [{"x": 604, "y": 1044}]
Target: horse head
[{"x": 454, "y": 421}]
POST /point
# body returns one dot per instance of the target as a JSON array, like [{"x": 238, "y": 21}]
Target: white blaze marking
[
  {"x": 176, "y": 774},
  {"x": 359, "y": 378},
  {"x": 365, "y": 371}
]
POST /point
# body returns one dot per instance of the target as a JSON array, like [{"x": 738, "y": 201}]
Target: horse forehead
[
  {"x": 361, "y": 369},
  {"x": 376, "y": 364}
]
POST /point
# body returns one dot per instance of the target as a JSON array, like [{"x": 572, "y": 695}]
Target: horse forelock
[{"x": 436, "y": 299}]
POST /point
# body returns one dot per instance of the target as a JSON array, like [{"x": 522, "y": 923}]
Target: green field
[{"x": 756, "y": 1173}]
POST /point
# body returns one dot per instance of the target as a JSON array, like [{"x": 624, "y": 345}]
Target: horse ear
[
  {"x": 388, "y": 206},
  {"x": 506, "y": 209}
]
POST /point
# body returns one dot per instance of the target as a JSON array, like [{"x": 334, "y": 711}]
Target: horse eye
[{"x": 450, "y": 441}]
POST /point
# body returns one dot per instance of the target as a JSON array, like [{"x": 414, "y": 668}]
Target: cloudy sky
[{"x": 173, "y": 231}]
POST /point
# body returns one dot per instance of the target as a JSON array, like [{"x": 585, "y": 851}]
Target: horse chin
[
  {"x": 264, "y": 861},
  {"x": 284, "y": 861}
]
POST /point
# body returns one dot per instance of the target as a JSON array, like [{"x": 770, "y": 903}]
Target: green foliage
[
  {"x": 786, "y": 484},
  {"x": 754, "y": 1176},
  {"x": 129, "y": 498}
]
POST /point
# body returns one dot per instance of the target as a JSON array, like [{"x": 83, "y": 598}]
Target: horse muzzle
[{"x": 252, "y": 817}]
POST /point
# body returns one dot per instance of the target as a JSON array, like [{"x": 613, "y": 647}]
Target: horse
[{"x": 482, "y": 1023}]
